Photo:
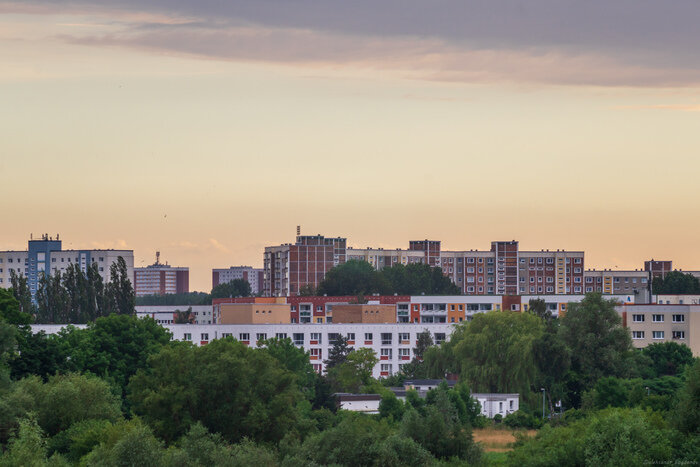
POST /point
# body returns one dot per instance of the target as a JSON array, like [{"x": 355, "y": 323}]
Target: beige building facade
[
  {"x": 649, "y": 324},
  {"x": 251, "y": 313}
]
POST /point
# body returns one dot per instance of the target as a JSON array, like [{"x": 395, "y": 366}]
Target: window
[
  {"x": 637, "y": 318},
  {"x": 679, "y": 334},
  {"x": 298, "y": 338},
  {"x": 404, "y": 336},
  {"x": 386, "y": 338},
  {"x": 333, "y": 337},
  {"x": 316, "y": 336},
  {"x": 439, "y": 338},
  {"x": 244, "y": 336},
  {"x": 385, "y": 353},
  {"x": 404, "y": 353},
  {"x": 205, "y": 336},
  {"x": 657, "y": 318},
  {"x": 658, "y": 334},
  {"x": 261, "y": 336},
  {"x": 188, "y": 336},
  {"x": 351, "y": 336},
  {"x": 368, "y": 336},
  {"x": 678, "y": 319},
  {"x": 316, "y": 353},
  {"x": 281, "y": 335},
  {"x": 386, "y": 368},
  {"x": 637, "y": 334}
]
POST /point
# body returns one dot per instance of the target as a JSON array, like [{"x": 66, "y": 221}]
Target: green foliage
[
  {"x": 20, "y": 290},
  {"x": 296, "y": 360},
  {"x": 228, "y": 387},
  {"x": 62, "y": 401},
  {"x": 71, "y": 297},
  {"x": 599, "y": 344},
  {"x": 355, "y": 372},
  {"x": 130, "y": 443},
  {"x": 10, "y": 310},
  {"x": 668, "y": 358},
  {"x": 495, "y": 352},
  {"x": 184, "y": 317},
  {"x": 119, "y": 293},
  {"x": 687, "y": 412},
  {"x": 353, "y": 278},
  {"x": 391, "y": 407},
  {"x": 234, "y": 288},
  {"x": 338, "y": 354},
  {"x": 189, "y": 298},
  {"x": 676, "y": 282},
  {"x": 625, "y": 437},
  {"x": 28, "y": 447},
  {"x": 521, "y": 419}
]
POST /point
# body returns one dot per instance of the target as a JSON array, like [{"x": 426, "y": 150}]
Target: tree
[
  {"x": 418, "y": 278},
  {"x": 307, "y": 290},
  {"x": 294, "y": 359},
  {"x": 228, "y": 387},
  {"x": 10, "y": 310},
  {"x": 668, "y": 358},
  {"x": 53, "y": 305},
  {"x": 553, "y": 360},
  {"x": 120, "y": 296},
  {"x": 495, "y": 351},
  {"x": 355, "y": 372},
  {"x": 538, "y": 307},
  {"x": 676, "y": 282},
  {"x": 20, "y": 290},
  {"x": 687, "y": 413},
  {"x": 338, "y": 354},
  {"x": 599, "y": 344},
  {"x": 234, "y": 288},
  {"x": 423, "y": 340},
  {"x": 114, "y": 347},
  {"x": 353, "y": 278},
  {"x": 184, "y": 317}
]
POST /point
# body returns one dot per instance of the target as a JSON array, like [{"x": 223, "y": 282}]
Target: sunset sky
[{"x": 209, "y": 129}]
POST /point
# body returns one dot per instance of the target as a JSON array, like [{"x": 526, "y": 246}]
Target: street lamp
[{"x": 542, "y": 389}]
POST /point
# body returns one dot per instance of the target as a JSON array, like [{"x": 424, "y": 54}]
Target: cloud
[
  {"x": 218, "y": 246},
  {"x": 621, "y": 43}
]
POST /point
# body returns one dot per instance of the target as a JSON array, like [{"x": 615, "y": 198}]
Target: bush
[{"x": 520, "y": 419}]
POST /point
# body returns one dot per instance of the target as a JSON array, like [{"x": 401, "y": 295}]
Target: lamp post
[{"x": 542, "y": 389}]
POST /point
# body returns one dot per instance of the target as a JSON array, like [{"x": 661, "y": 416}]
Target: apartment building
[
  {"x": 254, "y": 277},
  {"x": 653, "y": 323},
  {"x": 502, "y": 270},
  {"x": 161, "y": 279},
  {"x": 676, "y": 299},
  {"x": 46, "y": 255},
  {"x": 165, "y": 314},
  {"x": 289, "y": 267},
  {"x": 392, "y": 343},
  {"x": 609, "y": 282}
]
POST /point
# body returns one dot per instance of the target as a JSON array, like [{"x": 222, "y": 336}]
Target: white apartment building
[
  {"x": 165, "y": 314},
  {"x": 47, "y": 256},
  {"x": 649, "y": 324},
  {"x": 254, "y": 276},
  {"x": 392, "y": 343}
]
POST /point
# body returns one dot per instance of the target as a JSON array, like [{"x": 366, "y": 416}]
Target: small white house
[
  {"x": 365, "y": 403},
  {"x": 494, "y": 404}
]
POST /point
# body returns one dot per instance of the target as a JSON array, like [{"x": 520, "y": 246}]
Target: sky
[{"x": 207, "y": 130}]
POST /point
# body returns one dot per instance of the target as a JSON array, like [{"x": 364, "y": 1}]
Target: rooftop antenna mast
[
  {"x": 298, "y": 230},
  {"x": 157, "y": 257}
]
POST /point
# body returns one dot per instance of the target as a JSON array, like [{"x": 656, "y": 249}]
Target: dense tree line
[
  {"x": 234, "y": 288},
  {"x": 676, "y": 282},
  {"x": 360, "y": 278}
]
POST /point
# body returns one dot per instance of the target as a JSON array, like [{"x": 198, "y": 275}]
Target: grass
[{"x": 497, "y": 440}]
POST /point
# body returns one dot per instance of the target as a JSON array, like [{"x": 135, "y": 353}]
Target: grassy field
[{"x": 495, "y": 440}]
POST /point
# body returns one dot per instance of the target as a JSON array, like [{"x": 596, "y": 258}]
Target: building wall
[
  {"x": 359, "y": 313},
  {"x": 252, "y": 275},
  {"x": 392, "y": 352},
  {"x": 164, "y": 313},
  {"x": 251, "y": 313},
  {"x": 161, "y": 280},
  {"x": 46, "y": 255},
  {"x": 650, "y": 324},
  {"x": 677, "y": 299}
]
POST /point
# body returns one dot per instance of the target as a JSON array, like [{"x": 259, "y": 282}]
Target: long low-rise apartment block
[{"x": 392, "y": 343}]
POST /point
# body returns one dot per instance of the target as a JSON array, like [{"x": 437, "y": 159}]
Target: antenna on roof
[
  {"x": 298, "y": 230},
  {"x": 157, "y": 257}
]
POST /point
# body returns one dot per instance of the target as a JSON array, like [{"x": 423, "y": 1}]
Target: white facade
[
  {"x": 497, "y": 404},
  {"x": 363, "y": 403},
  {"x": 250, "y": 274},
  {"x": 392, "y": 343},
  {"x": 163, "y": 314}
]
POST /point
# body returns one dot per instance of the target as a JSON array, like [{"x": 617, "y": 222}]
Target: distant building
[
  {"x": 161, "y": 279},
  {"x": 497, "y": 404},
  {"x": 364, "y": 313},
  {"x": 165, "y": 314},
  {"x": 46, "y": 256},
  {"x": 251, "y": 313},
  {"x": 363, "y": 403},
  {"x": 252, "y": 275},
  {"x": 649, "y": 324}
]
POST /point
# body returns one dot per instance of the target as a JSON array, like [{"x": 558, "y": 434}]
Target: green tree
[
  {"x": 676, "y": 282},
  {"x": 10, "y": 310},
  {"x": 668, "y": 358},
  {"x": 228, "y": 387},
  {"x": 687, "y": 412},
  {"x": 307, "y": 290},
  {"x": 418, "y": 278},
  {"x": 120, "y": 296},
  {"x": 338, "y": 354},
  {"x": 553, "y": 360},
  {"x": 599, "y": 344},
  {"x": 114, "y": 347},
  {"x": 294, "y": 359},
  {"x": 38, "y": 354},
  {"x": 53, "y": 305},
  {"x": 28, "y": 447},
  {"x": 495, "y": 351},
  {"x": 20, "y": 290},
  {"x": 538, "y": 307},
  {"x": 353, "y": 278},
  {"x": 127, "y": 444},
  {"x": 184, "y": 317},
  {"x": 234, "y": 288}
]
